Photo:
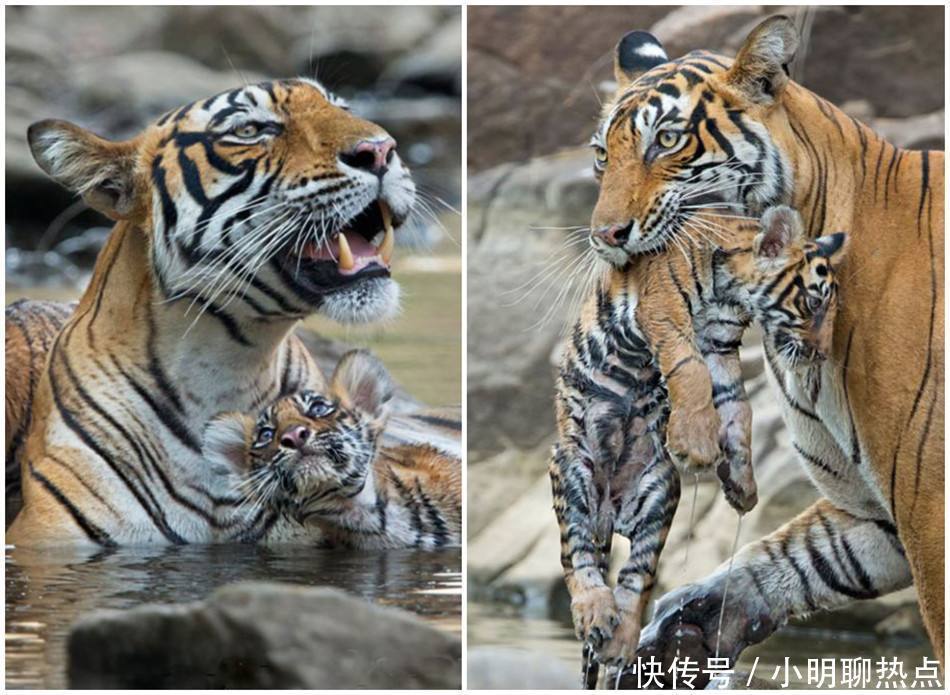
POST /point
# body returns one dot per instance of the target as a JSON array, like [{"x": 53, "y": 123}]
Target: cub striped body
[{"x": 318, "y": 458}]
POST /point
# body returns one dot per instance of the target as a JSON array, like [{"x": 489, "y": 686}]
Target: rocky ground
[{"x": 113, "y": 69}]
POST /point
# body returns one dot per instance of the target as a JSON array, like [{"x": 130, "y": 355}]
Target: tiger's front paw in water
[
  {"x": 686, "y": 625},
  {"x": 621, "y": 650},
  {"x": 692, "y": 438},
  {"x": 595, "y": 616}
]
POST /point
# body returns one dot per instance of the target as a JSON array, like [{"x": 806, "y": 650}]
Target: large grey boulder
[{"x": 262, "y": 635}]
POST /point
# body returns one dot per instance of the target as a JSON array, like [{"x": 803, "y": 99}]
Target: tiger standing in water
[
  {"x": 869, "y": 425},
  {"x": 236, "y": 216}
]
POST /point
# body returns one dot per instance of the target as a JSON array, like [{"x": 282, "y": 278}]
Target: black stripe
[{"x": 94, "y": 533}]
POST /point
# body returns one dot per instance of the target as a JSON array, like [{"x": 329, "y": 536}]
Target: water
[
  {"x": 47, "y": 591},
  {"x": 498, "y": 625}
]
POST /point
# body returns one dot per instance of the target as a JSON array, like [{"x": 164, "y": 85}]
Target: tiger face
[
  {"x": 792, "y": 286},
  {"x": 268, "y": 201},
  {"x": 308, "y": 452},
  {"x": 685, "y": 139}
]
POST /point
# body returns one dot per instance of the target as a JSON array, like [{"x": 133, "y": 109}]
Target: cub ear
[
  {"x": 101, "y": 171},
  {"x": 637, "y": 52},
  {"x": 834, "y": 247},
  {"x": 225, "y": 442},
  {"x": 361, "y": 381},
  {"x": 781, "y": 229},
  {"x": 760, "y": 70}
]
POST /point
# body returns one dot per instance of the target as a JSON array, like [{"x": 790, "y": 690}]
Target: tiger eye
[
  {"x": 600, "y": 154},
  {"x": 667, "y": 138}
]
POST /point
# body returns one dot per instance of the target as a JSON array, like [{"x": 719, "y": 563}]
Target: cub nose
[
  {"x": 295, "y": 437},
  {"x": 615, "y": 235},
  {"x": 373, "y": 156}
]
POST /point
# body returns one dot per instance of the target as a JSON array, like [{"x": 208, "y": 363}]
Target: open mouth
[{"x": 361, "y": 249}]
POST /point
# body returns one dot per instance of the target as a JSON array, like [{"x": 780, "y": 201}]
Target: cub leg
[
  {"x": 692, "y": 432},
  {"x": 735, "y": 434}
]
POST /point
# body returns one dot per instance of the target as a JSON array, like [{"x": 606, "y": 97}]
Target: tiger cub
[
  {"x": 770, "y": 271},
  {"x": 621, "y": 376},
  {"x": 318, "y": 459}
]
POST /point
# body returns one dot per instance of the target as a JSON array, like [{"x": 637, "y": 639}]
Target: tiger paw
[
  {"x": 621, "y": 649},
  {"x": 738, "y": 482},
  {"x": 595, "y": 616},
  {"x": 692, "y": 437}
]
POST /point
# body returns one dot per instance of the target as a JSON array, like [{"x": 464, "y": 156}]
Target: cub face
[
  {"x": 308, "y": 449},
  {"x": 795, "y": 293}
]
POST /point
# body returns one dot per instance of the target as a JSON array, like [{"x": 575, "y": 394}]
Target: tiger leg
[
  {"x": 645, "y": 518},
  {"x": 582, "y": 548},
  {"x": 735, "y": 434},
  {"x": 822, "y": 559}
]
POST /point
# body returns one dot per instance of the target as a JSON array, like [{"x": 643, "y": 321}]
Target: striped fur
[
  {"x": 661, "y": 338},
  {"x": 869, "y": 422},
  {"x": 317, "y": 458},
  {"x": 31, "y": 327},
  {"x": 228, "y": 213}
]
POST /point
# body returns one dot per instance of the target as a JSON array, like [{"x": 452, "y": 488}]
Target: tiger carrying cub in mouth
[
  {"x": 684, "y": 141},
  {"x": 236, "y": 216}
]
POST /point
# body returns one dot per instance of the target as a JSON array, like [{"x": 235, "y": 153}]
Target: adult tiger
[
  {"x": 236, "y": 216},
  {"x": 705, "y": 130}
]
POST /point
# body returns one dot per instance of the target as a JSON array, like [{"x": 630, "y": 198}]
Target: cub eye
[
  {"x": 600, "y": 156},
  {"x": 814, "y": 302},
  {"x": 264, "y": 437},
  {"x": 248, "y": 130},
  {"x": 667, "y": 139},
  {"x": 320, "y": 409}
]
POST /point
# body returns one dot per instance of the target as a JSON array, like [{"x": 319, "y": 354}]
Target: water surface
[{"x": 47, "y": 591}]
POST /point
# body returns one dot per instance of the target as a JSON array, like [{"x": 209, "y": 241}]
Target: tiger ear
[
  {"x": 225, "y": 442},
  {"x": 101, "y": 171},
  {"x": 361, "y": 381},
  {"x": 760, "y": 70},
  {"x": 834, "y": 247},
  {"x": 781, "y": 230},
  {"x": 637, "y": 52}
]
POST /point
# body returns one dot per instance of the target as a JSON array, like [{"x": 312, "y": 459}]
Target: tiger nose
[
  {"x": 615, "y": 235},
  {"x": 295, "y": 437},
  {"x": 373, "y": 156}
]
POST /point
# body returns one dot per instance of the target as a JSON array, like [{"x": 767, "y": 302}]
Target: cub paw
[
  {"x": 692, "y": 438},
  {"x": 595, "y": 616}
]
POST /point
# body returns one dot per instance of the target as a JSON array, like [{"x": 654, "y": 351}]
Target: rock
[
  {"x": 262, "y": 635},
  {"x": 434, "y": 64},
  {"x": 131, "y": 89},
  {"x": 521, "y": 284},
  {"x": 499, "y": 481},
  {"x": 904, "y": 623},
  {"x": 531, "y": 76},
  {"x": 914, "y": 132},
  {"x": 702, "y": 26},
  {"x": 500, "y": 668}
]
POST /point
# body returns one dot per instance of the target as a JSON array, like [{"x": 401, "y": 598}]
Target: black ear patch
[
  {"x": 640, "y": 51},
  {"x": 830, "y": 244}
]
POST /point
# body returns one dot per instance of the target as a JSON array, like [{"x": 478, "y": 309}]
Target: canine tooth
[
  {"x": 389, "y": 239},
  {"x": 346, "y": 256}
]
